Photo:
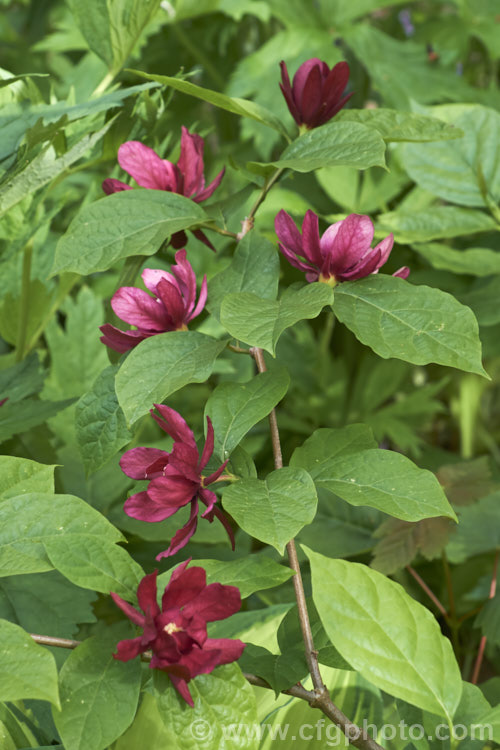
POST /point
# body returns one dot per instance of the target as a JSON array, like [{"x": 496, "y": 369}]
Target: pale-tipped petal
[{"x": 152, "y": 276}]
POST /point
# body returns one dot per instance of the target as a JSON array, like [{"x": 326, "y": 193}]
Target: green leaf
[
  {"x": 46, "y": 603},
  {"x": 488, "y": 620},
  {"x": 476, "y": 261},
  {"x": 333, "y": 145},
  {"x": 101, "y": 429},
  {"x": 132, "y": 222},
  {"x": 44, "y": 168},
  {"x": 396, "y": 126},
  {"x": 20, "y": 475},
  {"x": 22, "y": 379},
  {"x": 388, "y": 637},
  {"x": 250, "y": 574},
  {"x": 112, "y": 29},
  {"x": 467, "y": 171},
  {"x": 94, "y": 564},
  {"x": 255, "y": 268},
  {"x": 241, "y": 107},
  {"x": 221, "y": 699},
  {"x": 21, "y": 417},
  {"x": 28, "y": 670},
  {"x": 491, "y": 719},
  {"x": 478, "y": 530},
  {"x": 235, "y": 408},
  {"x": 275, "y": 509},
  {"x": 161, "y": 365},
  {"x": 27, "y": 521},
  {"x": 483, "y": 301},
  {"x": 280, "y": 671},
  {"x": 99, "y": 694},
  {"x": 434, "y": 223},
  {"x": 148, "y": 723},
  {"x": 417, "y": 324},
  {"x": 260, "y": 322},
  {"x": 381, "y": 479}
]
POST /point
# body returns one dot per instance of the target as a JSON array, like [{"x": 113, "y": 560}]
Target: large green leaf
[
  {"x": 387, "y": 636},
  {"x": 101, "y": 429},
  {"x": 27, "y": 670},
  {"x": 27, "y": 521},
  {"x": 132, "y": 222},
  {"x": 161, "y": 365},
  {"x": 417, "y": 324},
  {"x": 95, "y": 564},
  {"x": 476, "y": 261},
  {"x": 401, "y": 126},
  {"x": 241, "y": 107},
  {"x": 250, "y": 574},
  {"x": 381, "y": 479},
  {"x": 22, "y": 379},
  {"x": 235, "y": 408},
  {"x": 260, "y": 322},
  {"x": 20, "y": 475},
  {"x": 112, "y": 29},
  {"x": 222, "y": 700},
  {"x": 99, "y": 694},
  {"x": 466, "y": 171},
  {"x": 275, "y": 509},
  {"x": 333, "y": 145},
  {"x": 434, "y": 223},
  {"x": 254, "y": 268}
]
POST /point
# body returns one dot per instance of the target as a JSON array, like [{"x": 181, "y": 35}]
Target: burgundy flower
[
  {"x": 171, "y": 308},
  {"x": 316, "y": 93},
  {"x": 151, "y": 171},
  {"x": 3, "y": 400},
  {"x": 177, "y": 633},
  {"x": 342, "y": 253},
  {"x": 176, "y": 479}
]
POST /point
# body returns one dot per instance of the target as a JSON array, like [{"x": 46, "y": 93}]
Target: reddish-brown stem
[
  {"x": 482, "y": 643},
  {"x": 311, "y": 653},
  {"x": 432, "y": 596}
]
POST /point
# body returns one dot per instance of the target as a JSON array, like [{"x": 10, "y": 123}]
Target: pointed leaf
[
  {"x": 20, "y": 475},
  {"x": 160, "y": 366},
  {"x": 275, "y": 509},
  {"x": 391, "y": 639},
  {"x": 418, "y": 324},
  {"x": 260, "y": 322}
]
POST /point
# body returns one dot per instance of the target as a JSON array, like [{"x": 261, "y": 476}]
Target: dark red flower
[
  {"x": 342, "y": 253},
  {"x": 151, "y": 171},
  {"x": 317, "y": 92},
  {"x": 176, "y": 479},
  {"x": 177, "y": 633},
  {"x": 171, "y": 308}
]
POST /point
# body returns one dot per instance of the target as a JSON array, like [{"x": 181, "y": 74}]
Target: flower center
[
  {"x": 330, "y": 280},
  {"x": 171, "y": 628}
]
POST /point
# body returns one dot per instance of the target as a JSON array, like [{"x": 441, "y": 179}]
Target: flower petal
[
  {"x": 286, "y": 90},
  {"x": 190, "y": 162},
  {"x": 287, "y": 232},
  {"x": 173, "y": 302},
  {"x": 181, "y": 686},
  {"x": 210, "y": 188},
  {"x": 114, "y": 186},
  {"x": 184, "y": 534},
  {"x": 172, "y": 492},
  {"x": 351, "y": 243},
  {"x": 173, "y": 424},
  {"x": 230, "y": 649},
  {"x": 137, "y": 462},
  {"x": 367, "y": 265},
  {"x": 146, "y": 167},
  {"x": 385, "y": 247},
  {"x": 137, "y": 308},
  {"x": 129, "y": 649},
  {"x": 310, "y": 238},
  {"x": 142, "y": 507},
  {"x": 129, "y": 610},
  {"x": 151, "y": 277},
  {"x": 300, "y": 79},
  {"x": 185, "y": 587},
  {"x": 121, "y": 341},
  {"x": 208, "y": 448},
  {"x": 310, "y": 102},
  {"x": 147, "y": 593},
  {"x": 402, "y": 272},
  {"x": 214, "y": 602}
]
